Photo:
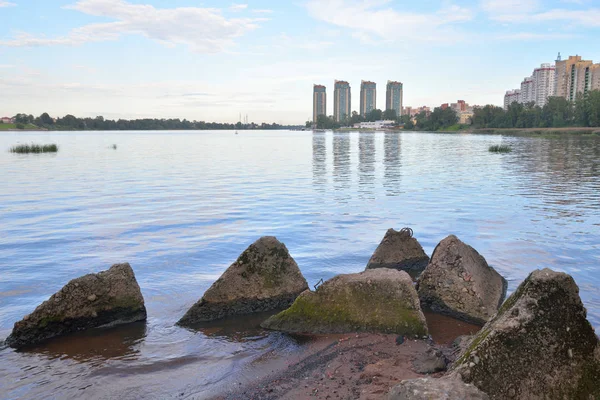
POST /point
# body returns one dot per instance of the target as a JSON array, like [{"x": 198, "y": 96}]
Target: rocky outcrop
[
  {"x": 399, "y": 250},
  {"x": 380, "y": 300},
  {"x": 539, "y": 345},
  {"x": 458, "y": 282},
  {"x": 107, "y": 298},
  {"x": 435, "y": 389},
  {"x": 264, "y": 277}
]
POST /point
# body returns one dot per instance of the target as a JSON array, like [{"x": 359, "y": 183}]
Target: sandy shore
[{"x": 352, "y": 366}]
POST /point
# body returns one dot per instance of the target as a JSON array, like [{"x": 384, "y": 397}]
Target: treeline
[
  {"x": 439, "y": 119},
  {"x": 558, "y": 112},
  {"x": 70, "y": 122}
]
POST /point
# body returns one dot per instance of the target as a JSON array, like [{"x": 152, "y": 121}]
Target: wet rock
[
  {"x": 380, "y": 300},
  {"x": 399, "y": 250},
  {"x": 117, "y": 300},
  {"x": 458, "y": 282},
  {"x": 430, "y": 362},
  {"x": 539, "y": 345},
  {"x": 264, "y": 277},
  {"x": 435, "y": 389}
]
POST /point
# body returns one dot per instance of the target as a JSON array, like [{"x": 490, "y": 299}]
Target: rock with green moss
[
  {"x": 378, "y": 300},
  {"x": 539, "y": 346},
  {"x": 107, "y": 298},
  {"x": 458, "y": 282},
  {"x": 399, "y": 250},
  {"x": 264, "y": 277},
  {"x": 446, "y": 388}
]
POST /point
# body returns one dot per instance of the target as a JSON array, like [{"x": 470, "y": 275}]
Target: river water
[{"x": 181, "y": 206}]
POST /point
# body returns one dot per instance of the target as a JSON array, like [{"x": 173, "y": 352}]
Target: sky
[{"x": 214, "y": 60}]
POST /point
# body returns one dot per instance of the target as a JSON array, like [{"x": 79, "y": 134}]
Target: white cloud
[
  {"x": 263, "y": 11},
  {"x": 202, "y": 29},
  {"x": 501, "y": 9},
  {"x": 6, "y": 4},
  {"x": 238, "y": 7},
  {"x": 375, "y": 19},
  {"x": 535, "y": 36},
  {"x": 588, "y": 18}
]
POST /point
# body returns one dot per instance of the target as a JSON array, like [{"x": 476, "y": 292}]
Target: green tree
[
  {"x": 592, "y": 108},
  {"x": 46, "y": 119},
  {"x": 390, "y": 115}
]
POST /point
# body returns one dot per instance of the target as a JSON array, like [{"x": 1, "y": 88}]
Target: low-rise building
[
  {"x": 7, "y": 120},
  {"x": 375, "y": 124}
]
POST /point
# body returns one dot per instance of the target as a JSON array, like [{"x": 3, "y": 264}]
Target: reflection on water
[
  {"x": 181, "y": 206},
  {"x": 120, "y": 342},
  {"x": 391, "y": 163},
  {"x": 366, "y": 163}
]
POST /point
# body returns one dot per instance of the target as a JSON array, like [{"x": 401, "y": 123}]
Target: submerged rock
[
  {"x": 399, "y": 250},
  {"x": 264, "y": 277},
  {"x": 380, "y": 300},
  {"x": 458, "y": 282},
  {"x": 539, "y": 345},
  {"x": 107, "y": 298},
  {"x": 435, "y": 389}
]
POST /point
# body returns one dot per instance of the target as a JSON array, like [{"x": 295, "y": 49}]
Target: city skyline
[{"x": 214, "y": 60}]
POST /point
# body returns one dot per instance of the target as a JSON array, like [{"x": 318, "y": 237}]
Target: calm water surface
[{"x": 180, "y": 207}]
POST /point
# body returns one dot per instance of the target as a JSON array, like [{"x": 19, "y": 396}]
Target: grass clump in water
[
  {"x": 500, "y": 148},
  {"x": 114, "y": 147},
  {"x": 34, "y": 148}
]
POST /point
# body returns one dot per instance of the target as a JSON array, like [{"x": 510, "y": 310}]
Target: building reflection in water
[
  {"x": 366, "y": 164},
  {"x": 391, "y": 161},
  {"x": 341, "y": 159},
  {"x": 319, "y": 148}
]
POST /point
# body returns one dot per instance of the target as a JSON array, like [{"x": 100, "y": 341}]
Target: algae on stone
[
  {"x": 264, "y": 277},
  {"x": 380, "y": 300},
  {"x": 538, "y": 346},
  {"x": 107, "y": 298}
]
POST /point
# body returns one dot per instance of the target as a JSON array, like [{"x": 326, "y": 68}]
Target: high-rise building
[
  {"x": 319, "y": 101},
  {"x": 342, "y": 105},
  {"x": 512, "y": 96},
  {"x": 527, "y": 91},
  {"x": 368, "y": 97},
  {"x": 543, "y": 81},
  {"x": 393, "y": 97},
  {"x": 574, "y": 76}
]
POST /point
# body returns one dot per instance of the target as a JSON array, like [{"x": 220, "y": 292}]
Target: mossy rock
[
  {"x": 264, "y": 277},
  {"x": 539, "y": 346},
  {"x": 107, "y": 298},
  {"x": 380, "y": 300}
]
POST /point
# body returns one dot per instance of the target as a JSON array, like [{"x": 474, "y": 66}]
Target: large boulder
[
  {"x": 379, "y": 300},
  {"x": 264, "y": 277},
  {"x": 435, "y": 389},
  {"x": 399, "y": 250},
  {"x": 107, "y": 298},
  {"x": 458, "y": 282},
  {"x": 539, "y": 346}
]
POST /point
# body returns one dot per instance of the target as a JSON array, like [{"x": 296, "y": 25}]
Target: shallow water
[{"x": 181, "y": 206}]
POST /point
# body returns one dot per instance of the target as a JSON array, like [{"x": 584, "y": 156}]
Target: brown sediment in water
[{"x": 357, "y": 366}]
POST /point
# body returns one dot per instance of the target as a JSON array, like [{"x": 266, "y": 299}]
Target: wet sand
[{"x": 352, "y": 366}]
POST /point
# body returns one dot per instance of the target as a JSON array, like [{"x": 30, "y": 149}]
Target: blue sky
[{"x": 212, "y": 60}]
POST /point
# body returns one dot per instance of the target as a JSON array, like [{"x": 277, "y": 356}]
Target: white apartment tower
[
  {"x": 543, "y": 81},
  {"x": 527, "y": 91},
  {"x": 512, "y": 96}
]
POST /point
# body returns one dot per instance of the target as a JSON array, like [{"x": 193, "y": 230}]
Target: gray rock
[
  {"x": 458, "y": 282},
  {"x": 379, "y": 300},
  {"x": 117, "y": 299},
  {"x": 430, "y": 362},
  {"x": 399, "y": 250},
  {"x": 264, "y": 277},
  {"x": 539, "y": 345},
  {"x": 435, "y": 389}
]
